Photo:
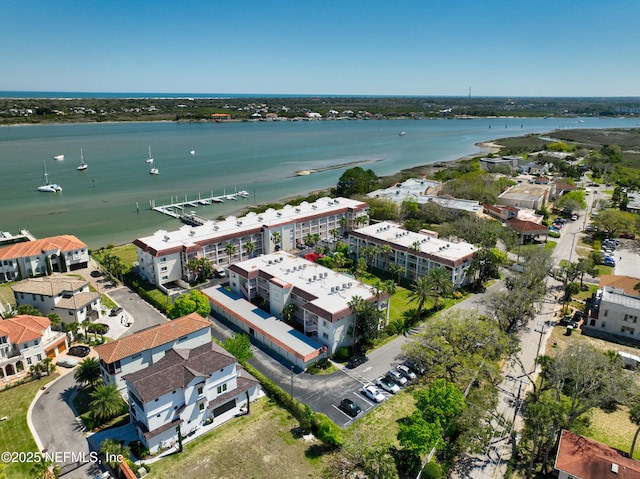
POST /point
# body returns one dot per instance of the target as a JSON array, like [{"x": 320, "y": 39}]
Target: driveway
[
  {"x": 142, "y": 313},
  {"x": 58, "y": 430}
]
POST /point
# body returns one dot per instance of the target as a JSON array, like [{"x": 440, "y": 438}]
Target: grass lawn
[
  {"x": 258, "y": 446},
  {"x": 126, "y": 253},
  {"x": 6, "y": 294},
  {"x": 15, "y": 435}
]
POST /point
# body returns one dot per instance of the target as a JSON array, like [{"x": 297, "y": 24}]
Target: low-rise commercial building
[
  {"x": 417, "y": 253},
  {"x": 164, "y": 257},
  {"x": 527, "y": 196},
  {"x": 614, "y": 314}
]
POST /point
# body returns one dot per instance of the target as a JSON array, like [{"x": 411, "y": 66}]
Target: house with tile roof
[
  {"x": 70, "y": 298},
  {"x": 163, "y": 257},
  {"x": 579, "y": 457},
  {"x": 25, "y": 341},
  {"x": 187, "y": 391},
  {"x": 144, "y": 348},
  {"x": 42, "y": 257}
]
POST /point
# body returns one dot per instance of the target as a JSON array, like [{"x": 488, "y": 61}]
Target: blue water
[{"x": 99, "y": 204}]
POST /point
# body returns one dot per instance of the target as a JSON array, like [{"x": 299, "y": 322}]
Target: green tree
[
  {"x": 397, "y": 270},
  {"x": 55, "y": 319},
  {"x": 106, "y": 402},
  {"x": 88, "y": 373},
  {"x": 287, "y": 313},
  {"x": 240, "y": 346},
  {"x": 230, "y": 249},
  {"x": 185, "y": 304},
  {"x": 45, "y": 469},
  {"x": 250, "y": 247},
  {"x": 614, "y": 222},
  {"x": 113, "y": 450},
  {"x": 28, "y": 310},
  {"x": 634, "y": 417},
  {"x": 276, "y": 238},
  {"x": 423, "y": 290},
  {"x": 441, "y": 282},
  {"x": 366, "y": 323},
  {"x": 356, "y": 181}
]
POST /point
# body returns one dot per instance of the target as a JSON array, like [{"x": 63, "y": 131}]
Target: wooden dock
[{"x": 176, "y": 208}]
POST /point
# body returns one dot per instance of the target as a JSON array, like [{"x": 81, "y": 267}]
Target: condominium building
[
  {"x": 417, "y": 253},
  {"x": 164, "y": 256},
  {"x": 320, "y": 299},
  {"x": 42, "y": 257}
]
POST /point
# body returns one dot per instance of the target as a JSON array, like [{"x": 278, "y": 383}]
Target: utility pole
[{"x": 292, "y": 382}]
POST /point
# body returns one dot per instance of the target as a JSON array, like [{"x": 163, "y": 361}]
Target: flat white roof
[
  {"x": 333, "y": 291},
  {"x": 190, "y": 235},
  {"x": 395, "y": 235},
  {"x": 278, "y": 331},
  {"x": 408, "y": 189},
  {"x": 617, "y": 296}
]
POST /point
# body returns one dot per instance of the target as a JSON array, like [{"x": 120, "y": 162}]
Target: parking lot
[{"x": 627, "y": 257}]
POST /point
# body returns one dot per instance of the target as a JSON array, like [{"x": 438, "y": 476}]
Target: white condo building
[
  {"x": 417, "y": 253},
  {"x": 163, "y": 257}
]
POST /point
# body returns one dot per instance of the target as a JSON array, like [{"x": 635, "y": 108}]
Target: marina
[{"x": 175, "y": 209}]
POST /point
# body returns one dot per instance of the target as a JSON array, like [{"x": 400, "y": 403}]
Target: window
[
  {"x": 28, "y": 360},
  {"x": 325, "y": 335},
  {"x": 222, "y": 388},
  {"x": 200, "y": 390},
  {"x": 201, "y": 406},
  {"x": 39, "y": 356},
  {"x": 136, "y": 356},
  {"x": 164, "y": 268},
  {"x": 606, "y": 313}
]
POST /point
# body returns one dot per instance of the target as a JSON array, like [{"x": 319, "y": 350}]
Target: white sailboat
[
  {"x": 154, "y": 171},
  {"x": 58, "y": 157},
  {"x": 192, "y": 151},
  {"x": 150, "y": 159},
  {"x": 46, "y": 186},
  {"x": 83, "y": 165}
]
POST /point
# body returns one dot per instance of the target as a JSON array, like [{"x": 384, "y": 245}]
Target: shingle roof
[
  {"x": 34, "y": 248},
  {"x": 49, "y": 286},
  {"x": 23, "y": 328},
  {"x": 178, "y": 368},
  {"x": 588, "y": 459},
  {"x": 626, "y": 283},
  {"x": 151, "y": 337},
  {"x": 528, "y": 227}
]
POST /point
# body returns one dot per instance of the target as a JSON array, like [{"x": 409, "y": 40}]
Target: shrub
[{"x": 341, "y": 354}]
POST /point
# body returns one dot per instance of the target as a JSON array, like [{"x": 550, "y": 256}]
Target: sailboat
[
  {"x": 83, "y": 165},
  {"x": 150, "y": 159},
  {"x": 154, "y": 171},
  {"x": 46, "y": 186},
  {"x": 192, "y": 151},
  {"x": 58, "y": 157}
]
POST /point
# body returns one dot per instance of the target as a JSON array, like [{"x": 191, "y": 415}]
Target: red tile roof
[
  {"x": 527, "y": 227},
  {"x": 151, "y": 337},
  {"x": 23, "y": 328},
  {"x": 626, "y": 283},
  {"x": 33, "y": 248},
  {"x": 588, "y": 459}
]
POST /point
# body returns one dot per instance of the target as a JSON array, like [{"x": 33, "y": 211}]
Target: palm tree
[
  {"x": 45, "y": 469},
  {"x": 344, "y": 222},
  {"x": 276, "y": 237},
  {"x": 335, "y": 233},
  {"x": 55, "y": 319},
  {"x": 397, "y": 270},
  {"x": 112, "y": 450},
  {"x": 288, "y": 312},
  {"x": 106, "y": 402},
  {"x": 88, "y": 373},
  {"x": 72, "y": 328},
  {"x": 230, "y": 249},
  {"x": 441, "y": 283},
  {"x": 250, "y": 246},
  {"x": 423, "y": 290},
  {"x": 339, "y": 260},
  {"x": 47, "y": 366},
  {"x": 85, "y": 325}
]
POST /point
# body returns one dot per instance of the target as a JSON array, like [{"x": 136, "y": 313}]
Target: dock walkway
[{"x": 176, "y": 209}]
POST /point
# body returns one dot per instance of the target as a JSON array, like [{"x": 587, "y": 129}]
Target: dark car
[
  {"x": 115, "y": 311},
  {"x": 80, "y": 351},
  {"x": 356, "y": 361},
  {"x": 350, "y": 407},
  {"x": 418, "y": 370}
]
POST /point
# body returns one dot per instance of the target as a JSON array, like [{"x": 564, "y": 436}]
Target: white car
[
  {"x": 406, "y": 372},
  {"x": 373, "y": 393},
  {"x": 396, "y": 377},
  {"x": 388, "y": 385}
]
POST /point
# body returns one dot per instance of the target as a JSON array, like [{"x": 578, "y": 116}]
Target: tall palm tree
[
  {"x": 250, "y": 247},
  {"x": 422, "y": 291},
  {"x": 85, "y": 325},
  {"x": 45, "y": 469},
  {"x": 634, "y": 416},
  {"x": 88, "y": 372},
  {"x": 230, "y": 249},
  {"x": 112, "y": 449},
  {"x": 276, "y": 237},
  {"x": 106, "y": 402},
  {"x": 441, "y": 283}
]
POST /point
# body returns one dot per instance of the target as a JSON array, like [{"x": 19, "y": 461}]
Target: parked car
[
  {"x": 627, "y": 235},
  {"x": 406, "y": 372},
  {"x": 396, "y": 377},
  {"x": 350, "y": 407},
  {"x": 67, "y": 362},
  {"x": 115, "y": 311},
  {"x": 609, "y": 261},
  {"x": 357, "y": 360},
  {"x": 80, "y": 351},
  {"x": 417, "y": 369},
  {"x": 373, "y": 393},
  {"x": 387, "y": 384},
  {"x": 574, "y": 217}
]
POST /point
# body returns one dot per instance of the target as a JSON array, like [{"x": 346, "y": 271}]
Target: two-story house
[
  {"x": 42, "y": 257},
  {"x": 69, "y": 298},
  {"x": 613, "y": 313},
  {"x": 144, "y": 348},
  {"x": 187, "y": 390},
  {"x": 25, "y": 341}
]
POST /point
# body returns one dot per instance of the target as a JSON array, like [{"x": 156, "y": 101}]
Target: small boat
[
  {"x": 243, "y": 194},
  {"x": 402, "y": 133},
  {"x": 58, "y": 157},
  {"x": 83, "y": 165},
  {"x": 46, "y": 186},
  {"x": 150, "y": 159},
  {"x": 154, "y": 171},
  {"x": 192, "y": 152}
]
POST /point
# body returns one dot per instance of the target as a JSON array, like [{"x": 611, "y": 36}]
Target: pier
[{"x": 176, "y": 208}]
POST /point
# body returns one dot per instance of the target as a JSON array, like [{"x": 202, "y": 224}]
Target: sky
[{"x": 504, "y": 48}]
